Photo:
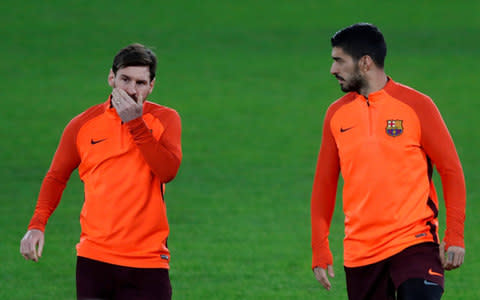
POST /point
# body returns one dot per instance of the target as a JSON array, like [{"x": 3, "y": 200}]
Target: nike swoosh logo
[
  {"x": 345, "y": 129},
  {"x": 93, "y": 142},
  {"x": 431, "y": 272},
  {"x": 426, "y": 282}
]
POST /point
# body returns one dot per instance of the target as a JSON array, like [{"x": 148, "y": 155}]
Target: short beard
[{"x": 355, "y": 84}]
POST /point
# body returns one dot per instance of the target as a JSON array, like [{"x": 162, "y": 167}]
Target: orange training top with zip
[
  {"x": 385, "y": 148},
  {"x": 124, "y": 167}
]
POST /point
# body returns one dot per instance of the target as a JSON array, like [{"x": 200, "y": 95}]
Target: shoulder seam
[{"x": 85, "y": 117}]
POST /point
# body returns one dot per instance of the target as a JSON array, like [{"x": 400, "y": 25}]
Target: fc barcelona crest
[{"x": 394, "y": 127}]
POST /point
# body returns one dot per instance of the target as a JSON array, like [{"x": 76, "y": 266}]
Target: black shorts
[
  {"x": 99, "y": 280},
  {"x": 381, "y": 280}
]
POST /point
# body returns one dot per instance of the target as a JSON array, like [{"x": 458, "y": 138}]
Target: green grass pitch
[{"x": 251, "y": 82}]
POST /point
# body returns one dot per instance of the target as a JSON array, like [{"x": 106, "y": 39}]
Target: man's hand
[
  {"x": 126, "y": 107},
  {"x": 28, "y": 245},
  {"x": 452, "y": 258},
  {"x": 321, "y": 276}
]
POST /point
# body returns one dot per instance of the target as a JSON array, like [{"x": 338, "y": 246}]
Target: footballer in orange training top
[
  {"x": 384, "y": 138},
  {"x": 125, "y": 150}
]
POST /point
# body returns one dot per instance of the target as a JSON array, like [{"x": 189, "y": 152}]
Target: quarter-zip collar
[
  {"x": 377, "y": 95},
  {"x": 110, "y": 111}
]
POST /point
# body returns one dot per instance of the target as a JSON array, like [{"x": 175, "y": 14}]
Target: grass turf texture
[{"x": 251, "y": 82}]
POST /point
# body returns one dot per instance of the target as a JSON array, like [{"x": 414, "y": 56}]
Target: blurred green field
[{"x": 251, "y": 82}]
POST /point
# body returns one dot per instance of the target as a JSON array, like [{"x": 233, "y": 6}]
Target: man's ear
[
  {"x": 111, "y": 78},
  {"x": 365, "y": 63},
  {"x": 152, "y": 83}
]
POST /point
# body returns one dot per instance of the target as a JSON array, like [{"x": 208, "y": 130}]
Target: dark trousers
[
  {"x": 99, "y": 280},
  {"x": 414, "y": 273}
]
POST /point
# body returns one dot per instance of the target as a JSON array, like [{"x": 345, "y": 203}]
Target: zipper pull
[{"x": 368, "y": 102}]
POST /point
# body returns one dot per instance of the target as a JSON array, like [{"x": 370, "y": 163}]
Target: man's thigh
[
  {"x": 381, "y": 280},
  {"x": 416, "y": 289},
  {"x": 417, "y": 272},
  {"x": 95, "y": 279},
  {"x": 370, "y": 282},
  {"x": 143, "y": 284},
  {"x": 418, "y": 261}
]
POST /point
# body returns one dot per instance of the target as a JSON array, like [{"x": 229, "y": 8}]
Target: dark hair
[
  {"x": 135, "y": 55},
  {"x": 362, "y": 39}
]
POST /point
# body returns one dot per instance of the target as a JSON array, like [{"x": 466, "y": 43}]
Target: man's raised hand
[{"x": 125, "y": 106}]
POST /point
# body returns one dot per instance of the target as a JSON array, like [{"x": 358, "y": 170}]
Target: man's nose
[{"x": 333, "y": 69}]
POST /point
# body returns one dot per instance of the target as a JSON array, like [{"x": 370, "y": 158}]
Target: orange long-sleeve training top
[
  {"x": 385, "y": 148},
  {"x": 124, "y": 167}
]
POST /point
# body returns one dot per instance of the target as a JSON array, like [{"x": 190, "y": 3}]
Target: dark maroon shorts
[
  {"x": 99, "y": 280},
  {"x": 381, "y": 280}
]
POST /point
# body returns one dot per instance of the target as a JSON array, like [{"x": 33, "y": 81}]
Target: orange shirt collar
[
  {"x": 109, "y": 109},
  {"x": 378, "y": 95}
]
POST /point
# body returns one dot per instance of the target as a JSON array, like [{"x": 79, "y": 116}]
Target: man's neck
[{"x": 375, "y": 82}]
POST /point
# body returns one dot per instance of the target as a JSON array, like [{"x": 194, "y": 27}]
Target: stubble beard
[{"x": 355, "y": 84}]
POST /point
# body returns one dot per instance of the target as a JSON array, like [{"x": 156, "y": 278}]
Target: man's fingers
[
  {"x": 458, "y": 260},
  {"x": 35, "y": 256},
  {"x": 326, "y": 284},
  {"x": 140, "y": 100},
  {"x": 116, "y": 99},
  {"x": 41, "y": 242},
  {"x": 127, "y": 108},
  {"x": 32, "y": 251},
  {"x": 125, "y": 97},
  {"x": 28, "y": 245},
  {"x": 330, "y": 271},
  {"x": 442, "y": 253},
  {"x": 27, "y": 249},
  {"x": 450, "y": 256},
  {"x": 455, "y": 257},
  {"x": 321, "y": 276}
]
